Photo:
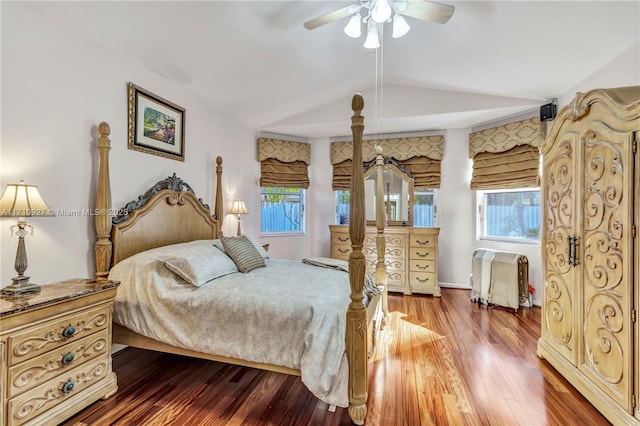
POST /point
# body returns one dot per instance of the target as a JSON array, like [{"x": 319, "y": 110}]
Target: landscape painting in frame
[{"x": 156, "y": 125}]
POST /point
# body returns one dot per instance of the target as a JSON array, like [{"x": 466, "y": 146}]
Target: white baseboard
[
  {"x": 454, "y": 285},
  {"x": 535, "y": 302}
]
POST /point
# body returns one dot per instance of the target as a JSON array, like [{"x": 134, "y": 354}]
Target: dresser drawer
[
  {"x": 51, "y": 393},
  {"x": 35, "y": 371},
  {"x": 340, "y": 238},
  {"x": 422, "y": 265},
  {"x": 56, "y": 333},
  {"x": 395, "y": 277},
  {"x": 422, "y": 279},
  {"x": 340, "y": 251},
  {"x": 389, "y": 240},
  {"x": 418, "y": 240},
  {"x": 419, "y": 253}
]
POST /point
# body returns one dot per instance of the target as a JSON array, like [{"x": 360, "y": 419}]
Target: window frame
[
  {"x": 481, "y": 223},
  {"x": 302, "y": 215}
]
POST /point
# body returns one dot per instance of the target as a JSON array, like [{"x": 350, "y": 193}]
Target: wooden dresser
[
  {"x": 411, "y": 256},
  {"x": 55, "y": 351},
  {"x": 591, "y": 250}
]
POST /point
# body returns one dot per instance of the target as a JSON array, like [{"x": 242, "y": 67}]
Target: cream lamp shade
[
  {"x": 238, "y": 208},
  {"x": 21, "y": 200}
]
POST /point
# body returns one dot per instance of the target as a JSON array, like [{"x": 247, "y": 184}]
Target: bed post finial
[
  {"x": 103, "y": 245},
  {"x": 217, "y": 209},
  {"x": 356, "y": 335}
]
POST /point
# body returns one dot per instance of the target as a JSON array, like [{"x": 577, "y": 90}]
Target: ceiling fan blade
[
  {"x": 330, "y": 17},
  {"x": 428, "y": 11}
]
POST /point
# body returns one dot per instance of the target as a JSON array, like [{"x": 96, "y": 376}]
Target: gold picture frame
[{"x": 156, "y": 125}]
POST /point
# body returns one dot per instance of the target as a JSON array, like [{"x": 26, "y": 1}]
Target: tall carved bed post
[
  {"x": 103, "y": 245},
  {"x": 218, "y": 206},
  {"x": 356, "y": 338},
  {"x": 381, "y": 267}
]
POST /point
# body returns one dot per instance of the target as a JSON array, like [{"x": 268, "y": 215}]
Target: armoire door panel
[
  {"x": 559, "y": 225},
  {"x": 607, "y": 261}
]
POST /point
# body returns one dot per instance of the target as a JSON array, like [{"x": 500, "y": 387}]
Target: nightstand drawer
[
  {"x": 35, "y": 371},
  {"x": 422, "y": 279},
  {"x": 40, "y": 399},
  {"x": 422, "y": 265},
  {"x": 55, "y": 333}
]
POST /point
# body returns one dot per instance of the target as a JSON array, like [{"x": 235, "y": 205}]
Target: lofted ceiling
[{"x": 255, "y": 60}]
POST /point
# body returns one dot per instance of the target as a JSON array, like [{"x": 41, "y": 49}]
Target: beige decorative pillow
[
  {"x": 198, "y": 263},
  {"x": 244, "y": 253}
]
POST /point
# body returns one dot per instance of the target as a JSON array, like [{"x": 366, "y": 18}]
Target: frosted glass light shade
[
  {"x": 353, "y": 27},
  {"x": 400, "y": 26},
  {"x": 381, "y": 11},
  {"x": 372, "y": 42}
]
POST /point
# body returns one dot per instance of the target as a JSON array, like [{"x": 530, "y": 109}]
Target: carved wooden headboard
[{"x": 167, "y": 213}]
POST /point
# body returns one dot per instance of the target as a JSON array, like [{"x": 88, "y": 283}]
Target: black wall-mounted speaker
[{"x": 548, "y": 112}]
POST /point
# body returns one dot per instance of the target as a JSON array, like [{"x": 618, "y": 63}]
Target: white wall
[{"x": 56, "y": 88}]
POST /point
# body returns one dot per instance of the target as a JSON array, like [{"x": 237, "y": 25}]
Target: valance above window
[
  {"x": 507, "y": 156},
  {"x": 284, "y": 163},
  {"x": 419, "y": 155}
]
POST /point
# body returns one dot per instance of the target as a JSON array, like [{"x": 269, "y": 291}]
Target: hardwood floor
[{"x": 440, "y": 361}]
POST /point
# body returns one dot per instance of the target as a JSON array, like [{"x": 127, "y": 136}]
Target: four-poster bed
[{"x": 169, "y": 215}]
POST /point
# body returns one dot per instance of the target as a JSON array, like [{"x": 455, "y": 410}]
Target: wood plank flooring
[{"x": 440, "y": 361}]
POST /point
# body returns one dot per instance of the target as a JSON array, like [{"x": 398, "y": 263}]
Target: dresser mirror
[{"x": 397, "y": 188}]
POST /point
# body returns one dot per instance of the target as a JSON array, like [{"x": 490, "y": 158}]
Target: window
[
  {"x": 282, "y": 210},
  {"x": 424, "y": 208},
  {"x": 342, "y": 207},
  {"x": 510, "y": 215}
]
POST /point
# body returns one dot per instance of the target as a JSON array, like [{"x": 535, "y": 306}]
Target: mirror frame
[{"x": 390, "y": 165}]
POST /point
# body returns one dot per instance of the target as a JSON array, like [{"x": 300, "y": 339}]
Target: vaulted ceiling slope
[{"x": 256, "y": 61}]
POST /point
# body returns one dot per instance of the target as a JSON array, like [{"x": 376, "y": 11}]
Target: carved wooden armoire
[{"x": 590, "y": 250}]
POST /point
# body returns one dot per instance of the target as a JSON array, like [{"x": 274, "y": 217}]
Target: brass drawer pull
[
  {"x": 422, "y": 255},
  {"x": 68, "y": 331},
  {"x": 422, "y": 281},
  {"x": 68, "y": 386},
  {"x": 422, "y": 243},
  {"x": 67, "y": 358},
  {"x": 422, "y": 267},
  {"x": 343, "y": 240},
  {"x": 343, "y": 251}
]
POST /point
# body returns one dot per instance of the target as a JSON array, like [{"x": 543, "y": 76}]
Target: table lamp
[
  {"x": 238, "y": 208},
  {"x": 21, "y": 200}
]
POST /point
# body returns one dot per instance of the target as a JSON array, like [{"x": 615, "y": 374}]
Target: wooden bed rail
[{"x": 356, "y": 334}]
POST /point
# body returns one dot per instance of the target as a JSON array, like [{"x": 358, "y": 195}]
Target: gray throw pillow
[{"x": 244, "y": 253}]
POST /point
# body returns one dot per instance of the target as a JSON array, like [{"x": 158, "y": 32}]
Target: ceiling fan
[{"x": 381, "y": 11}]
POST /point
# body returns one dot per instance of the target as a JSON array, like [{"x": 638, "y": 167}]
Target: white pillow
[{"x": 198, "y": 262}]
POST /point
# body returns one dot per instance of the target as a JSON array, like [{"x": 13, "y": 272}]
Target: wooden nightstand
[{"x": 55, "y": 351}]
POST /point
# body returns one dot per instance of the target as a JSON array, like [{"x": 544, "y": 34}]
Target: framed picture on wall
[{"x": 156, "y": 125}]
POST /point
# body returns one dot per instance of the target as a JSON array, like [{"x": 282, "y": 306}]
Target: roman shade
[
  {"x": 419, "y": 155},
  {"x": 507, "y": 156},
  {"x": 284, "y": 163}
]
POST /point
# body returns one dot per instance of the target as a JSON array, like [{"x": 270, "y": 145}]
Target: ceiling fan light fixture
[
  {"x": 353, "y": 27},
  {"x": 381, "y": 11},
  {"x": 372, "y": 42},
  {"x": 400, "y": 26}
]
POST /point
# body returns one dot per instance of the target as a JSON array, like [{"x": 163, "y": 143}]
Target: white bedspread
[{"x": 288, "y": 313}]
